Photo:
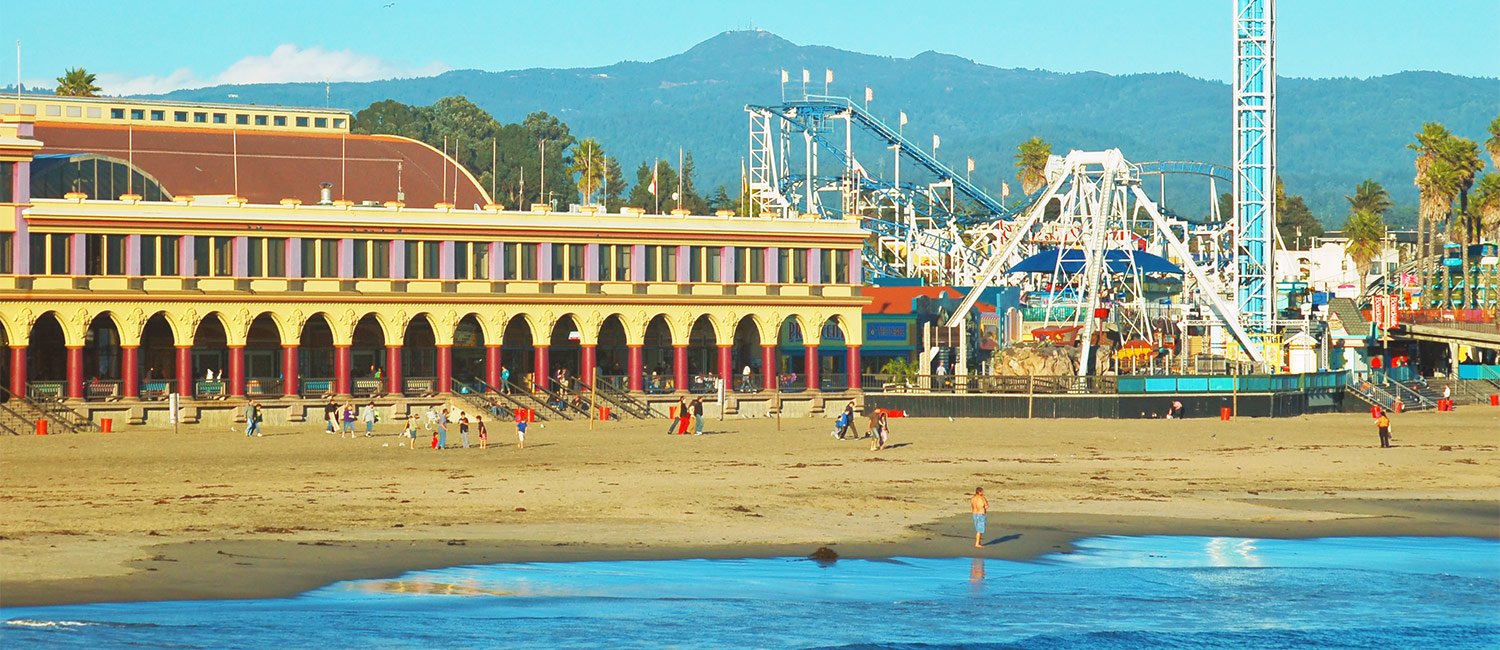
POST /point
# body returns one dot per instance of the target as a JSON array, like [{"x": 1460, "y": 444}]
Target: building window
[
  {"x": 220, "y": 118},
  {"x": 749, "y": 265},
  {"x": 793, "y": 265},
  {"x": 320, "y": 258},
  {"x": 137, "y": 114},
  {"x": 479, "y": 261},
  {"x": 338, "y": 123},
  {"x": 321, "y": 122},
  {"x": 159, "y": 254},
  {"x": 213, "y": 257},
  {"x": 661, "y": 263},
  {"x": 241, "y": 118},
  {"x": 50, "y": 254},
  {"x": 104, "y": 255},
  {"x": 7, "y": 252},
  {"x": 372, "y": 258},
  {"x": 567, "y": 262},
  {"x": 117, "y": 113},
  {"x": 704, "y": 263},
  {"x": 7, "y": 182},
  {"x": 279, "y": 120},
  {"x": 520, "y": 261},
  {"x": 614, "y": 262},
  {"x": 836, "y": 267},
  {"x": 158, "y": 116},
  {"x": 266, "y": 257},
  {"x": 179, "y": 116},
  {"x": 260, "y": 120},
  {"x": 422, "y": 259},
  {"x": 301, "y": 121},
  {"x": 461, "y": 260},
  {"x": 200, "y": 118}
]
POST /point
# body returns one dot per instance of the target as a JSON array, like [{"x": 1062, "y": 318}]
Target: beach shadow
[
  {"x": 898, "y": 445},
  {"x": 539, "y": 444},
  {"x": 1002, "y": 540}
]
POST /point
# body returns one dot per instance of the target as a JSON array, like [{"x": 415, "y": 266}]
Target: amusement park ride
[{"x": 1091, "y": 249}]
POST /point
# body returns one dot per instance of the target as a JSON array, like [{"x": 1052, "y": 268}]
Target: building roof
[
  {"x": 1349, "y": 320},
  {"x": 901, "y": 300},
  {"x": 276, "y": 165}
]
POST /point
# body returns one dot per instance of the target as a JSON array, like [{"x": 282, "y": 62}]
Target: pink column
[
  {"x": 445, "y": 368},
  {"x": 75, "y": 372},
  {"x": 633, "y": 371},
  {"x": 854, "y": 369},
  {"x": 185, "y": 372},
  {"x": 492, "y": 366},
  {"x": 810, "y": 362},
  {"x": 18, "y": 370},
  {"x": 586, "y": 364},
  {"x": 726, "y": 366},
  {"x": 394, "y": 383},
  {"x": 130, "y": 371},
  {"x": 342, "y": 369},
  {"x": 768, "y": 367},
  {"x": 679, "y": 367},
  {"x": 543, "y": 370},
  {"x": 236, "y": 371},
  {"x": 289, "y": 370}
]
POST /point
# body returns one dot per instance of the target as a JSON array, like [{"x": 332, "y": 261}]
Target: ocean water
[{"x": 1115, "y": 592}]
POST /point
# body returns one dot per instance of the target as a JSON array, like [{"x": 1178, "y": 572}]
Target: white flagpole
[
  {"x": 457, "y": 144},
  {"x": 443, "y": 194},
  {"x": 130, "y": 144},
  {"x": 343, "y": 168},
  {"x": 541, "y": 164},
  {"x": 236, "y": 162}
]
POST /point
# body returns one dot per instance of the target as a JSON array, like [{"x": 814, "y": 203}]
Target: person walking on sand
[
  {"x": 684, "y": 417},
  {"x": 367, "y": 414},
  {"x": 980, "y": 506},
  {"x": 463, "y": 428},
  {"x": 432, "y": 418},
  {"x": 252, "y": 419},
  {"x": 410, "y": 433},
  {"x": 520, "y": 430},
  {"x": 330, "y": 416},
  {"x": 505, "y": 380},
  {"x": 349, "y": 417},
  {"x": 1383, "y": 427},
  {"x": 675, "y": 422},
  {"x": 442, "y": 429},
  {"x": 881, "y": 429},
  {"x": 698, "y": 416},
  {"x": 484, "y": 436}
]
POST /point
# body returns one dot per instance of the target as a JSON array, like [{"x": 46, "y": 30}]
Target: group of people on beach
[
  {"x": 688, "y": 414},
  {"x": 341, "y": 419},
  {"x": 879, "y": 430}
]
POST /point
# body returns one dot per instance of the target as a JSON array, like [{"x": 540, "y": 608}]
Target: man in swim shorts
[{"x": 979, "y": 506}]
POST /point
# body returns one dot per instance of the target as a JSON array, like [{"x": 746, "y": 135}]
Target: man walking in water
[{"x": 979, "y": 505}]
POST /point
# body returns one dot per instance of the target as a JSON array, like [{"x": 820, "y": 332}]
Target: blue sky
[{"x": 166, "y": 44}]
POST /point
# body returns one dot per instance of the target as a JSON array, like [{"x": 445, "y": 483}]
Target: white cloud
[{"x": 287, "y": 63}]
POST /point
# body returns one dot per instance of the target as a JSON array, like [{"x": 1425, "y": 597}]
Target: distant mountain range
[{"x": 1332, "y": 133}]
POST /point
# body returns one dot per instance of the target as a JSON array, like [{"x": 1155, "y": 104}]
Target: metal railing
[
  {"x": 101, "y": 390},
  {"x": 624, "y": 401},
  {"x": 67, "y": 419}
]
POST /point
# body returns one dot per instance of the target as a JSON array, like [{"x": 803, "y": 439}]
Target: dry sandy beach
[{"x": 208, "y": 513}]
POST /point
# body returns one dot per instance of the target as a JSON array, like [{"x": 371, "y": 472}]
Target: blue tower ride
[{"x": 1255, "y": 162}]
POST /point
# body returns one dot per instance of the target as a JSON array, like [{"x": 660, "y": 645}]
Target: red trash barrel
[
  {"x": 106, "y": 425},
  {"x": 1396, "y": 406},
  {"x": 41, "y": 427},
  {"x": 1495, "y": 400},
  {"x": 604, "y": 413},
  {"x": 1374, "y": 411},
  {"x": 1224, "y": 413}
]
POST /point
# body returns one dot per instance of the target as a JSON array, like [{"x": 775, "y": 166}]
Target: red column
[
  {"x": 810, "y": 362},
  {"x": 445, "y": 368},
  {"x": 492, "y": 366},
  {"x": 586, "y": 365},
  {"x": 679, "y": 367},
  {"x": 18, "y": 370},
  {"x": 854, "y": 369},
  {"x": 130, "y": 371},
  {"x": 342, "y": 370},
  {"x": 290, "y": 386},
  {"x": 395, "y": 384},
  {"x": 185, "y": 372},
  {"x": 726, "y": 366},
  {"x": 768, "y": 368},
  {"x": 542, "y": 369},
  {"x": 633, "y": 370},
  {"x": 75, "y": 372},
  {"x": 237, "y": 371}
]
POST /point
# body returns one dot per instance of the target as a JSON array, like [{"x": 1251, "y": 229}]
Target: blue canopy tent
[{"x": 1115, "y": 261}]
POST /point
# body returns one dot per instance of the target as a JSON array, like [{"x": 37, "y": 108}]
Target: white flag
[
  {"x": 806, "y": 76},
  {"x": 971, "y": 165},
  {"x": 903, "y": 118},
  {"x": 784, "y": 76},
  {"x": 828, "y": 75},
  {"x": 1004, "y": 190},
  {"x": 936, "y": 142},
  {"x": 869, "y": 94}
]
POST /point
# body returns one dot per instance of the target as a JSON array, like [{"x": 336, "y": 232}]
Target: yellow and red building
[{"x": 145, "y": 245}]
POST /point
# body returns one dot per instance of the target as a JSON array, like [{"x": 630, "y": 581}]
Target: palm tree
[
  {"x": 1435, "y": 195},
  {"x": 1486, "y": 206},
  {"x": 77, "y": 82},
  {"x": 1464, "y": 155},
  {"x": 587, "y": 163},
  {"x": 1031, "y": 164},
  {"x": 1366, "y": 232},
  {"x": 1369, "y": 196},
  {"x": 1492, "y": 145}
]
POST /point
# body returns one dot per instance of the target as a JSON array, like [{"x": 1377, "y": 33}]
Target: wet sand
[{"x": 208, "y": 513}]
